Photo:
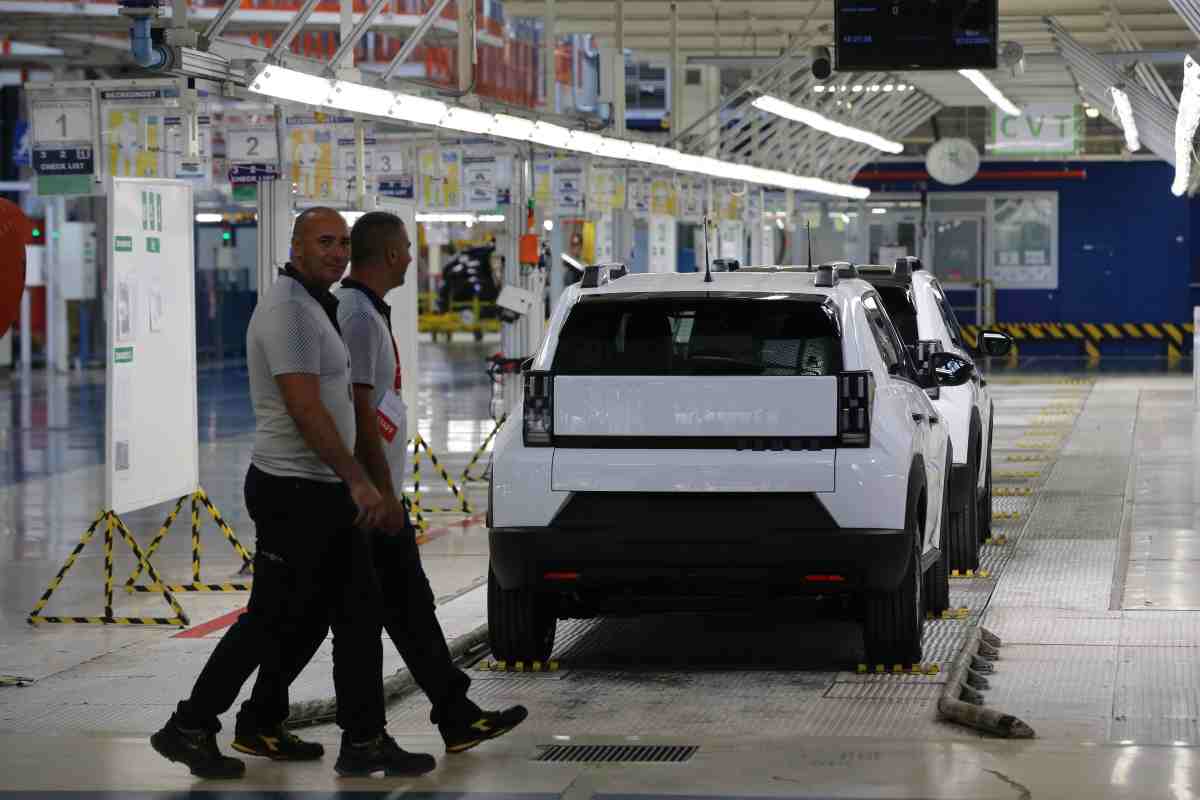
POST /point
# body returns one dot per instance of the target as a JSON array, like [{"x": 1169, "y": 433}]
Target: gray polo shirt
[
  {"x": 364, "y": 320},
  {"x": 290, "y": 331}
]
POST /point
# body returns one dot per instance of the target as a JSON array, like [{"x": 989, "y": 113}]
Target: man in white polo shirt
[{"x": 312, "y": 504}]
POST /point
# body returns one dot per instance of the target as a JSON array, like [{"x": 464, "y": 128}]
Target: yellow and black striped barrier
[
  {"x": 414, "y": 505},
  {"x": 1091, "y": 335},
  {"x": 466, "y": 476},
  {"x": 111, "y": 522},
  {"x": 198, "y": 498}
]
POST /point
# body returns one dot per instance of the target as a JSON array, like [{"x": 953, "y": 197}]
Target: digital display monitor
[{"x": 895, "y": 35}]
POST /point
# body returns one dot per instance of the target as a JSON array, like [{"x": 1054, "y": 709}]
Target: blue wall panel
[{"x": 1126, "y": 248}]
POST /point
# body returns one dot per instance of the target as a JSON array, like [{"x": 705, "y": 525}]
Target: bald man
[{"x": 312, "y": 504}]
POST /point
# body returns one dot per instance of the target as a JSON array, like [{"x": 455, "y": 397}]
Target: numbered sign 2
[{"x": 251, "y": 144}]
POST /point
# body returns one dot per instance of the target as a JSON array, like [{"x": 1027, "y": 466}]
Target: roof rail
[
  {"x": 845, "y": 269},
  {"x": 912, "y": 262},
  {"x": 827, "y": 276},
  {"x": 601, "y": 274}
]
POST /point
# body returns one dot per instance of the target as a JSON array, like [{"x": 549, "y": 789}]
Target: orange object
[
  {"x": 15, "y": 232},
  {"x": 530, "y": 249}
]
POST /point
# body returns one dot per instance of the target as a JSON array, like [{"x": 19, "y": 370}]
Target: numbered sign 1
[
  {"x": 251, "y": 144},
  {"x": 62, "y": 122}
]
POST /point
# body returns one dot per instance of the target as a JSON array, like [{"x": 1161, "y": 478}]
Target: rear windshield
[
  {"x": 897, "y": 301},
  {"x": 699, "y": 336}
]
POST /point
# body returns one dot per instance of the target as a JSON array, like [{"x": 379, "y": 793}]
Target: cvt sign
[{"x": 1042, "y": 129}]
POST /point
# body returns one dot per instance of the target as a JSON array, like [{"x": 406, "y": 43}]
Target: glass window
[
  {"x": 949, "y": 318},
  {"x": 890, "y": 346},
  {"x": 699, "y": 336},
  {"x": 898, "y": 302},
  {"x": 1025, "y": 241},
  {"x": 958, "y": 248}
]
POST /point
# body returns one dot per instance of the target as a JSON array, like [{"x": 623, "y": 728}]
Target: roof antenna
[
  {"x": 707, "y": 260},
  {"x": 808, "y": 227}
]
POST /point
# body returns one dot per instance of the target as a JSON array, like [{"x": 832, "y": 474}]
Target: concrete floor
[{"x": 1093, "y": 590}]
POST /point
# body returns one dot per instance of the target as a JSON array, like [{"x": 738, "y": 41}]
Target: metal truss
[{"x": 1095, "y": 77}]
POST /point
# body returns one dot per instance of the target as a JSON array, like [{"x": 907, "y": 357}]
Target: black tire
[
  {"x": 984, "y": 514},
  {"x": 521, "y": 623},
  {"x": 964, "y": 534},
  {"x": 894, "y": 621},
  {"x": 937, "y": 578}
]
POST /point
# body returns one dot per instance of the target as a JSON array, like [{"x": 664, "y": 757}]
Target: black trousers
[
  {"x": 311, "y": 567},
  {"x": 410, "y": 619}
]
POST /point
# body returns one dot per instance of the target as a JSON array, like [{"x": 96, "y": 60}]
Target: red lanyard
[{"x": 396, "y": 381}]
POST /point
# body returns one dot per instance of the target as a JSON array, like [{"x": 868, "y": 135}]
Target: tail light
[
  {"x": 539, "y": 409},
  {"x": 856, "y": 396}
]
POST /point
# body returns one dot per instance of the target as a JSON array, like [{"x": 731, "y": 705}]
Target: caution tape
[
  {"x": 199, "y": 498},
  {"x": 466, "y": 476},
  {"x": 970, "y": 574},
  {"x": 899, "y": 669},
  {"x": 414, "y": 505},
  {"x": 1012, "y": 491},
  {"x": 112, "y": 523},
  {"x": 518, "y": 666},
  {"x": 16, "y": 680}
]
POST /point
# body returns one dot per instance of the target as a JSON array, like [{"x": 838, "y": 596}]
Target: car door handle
[
  {"x": 934, "y": 420},
  {"x": 918, "y": 417}
]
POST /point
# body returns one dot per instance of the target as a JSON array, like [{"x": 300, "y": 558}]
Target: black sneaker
[
  {"x": 380, "y": 753},
  {"x": 277, "y": 744},
  {"x": 467, "y": 734},
  {"x": 197, "y": 749}
]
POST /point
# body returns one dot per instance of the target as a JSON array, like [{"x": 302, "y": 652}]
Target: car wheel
[
  {"x": 894, "y": 621},
  {"x": 964, "y": 534},
  {"x": 985, "y": 503},
  {"x": 521, "y": 623},
  {"x": 937, "y": 578}
]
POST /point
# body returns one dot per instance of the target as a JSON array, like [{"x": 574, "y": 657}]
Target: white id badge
[{"x": 393, "y": 429}]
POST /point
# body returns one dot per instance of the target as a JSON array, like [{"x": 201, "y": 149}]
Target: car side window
[
  {"x": 886, "y": 337},
  {"x": 948, "y": 317}
]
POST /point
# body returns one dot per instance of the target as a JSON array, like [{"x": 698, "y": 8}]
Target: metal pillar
[
  {"x": 26, "y": 336},
  {"x": 466, "y": 45},
  {"x": 57, "y": 345},
  {"x": 676, "y": 81},
  {"x": 618, "y": 80},
  {"x": 550, "y": 38},
  {"x": 554, "y": 266},
  {"x": 274, "y": 230}
]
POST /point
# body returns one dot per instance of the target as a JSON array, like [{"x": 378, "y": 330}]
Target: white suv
[
  {"x": 918, "y": 307},
  {"x": 695, "y": 445}
]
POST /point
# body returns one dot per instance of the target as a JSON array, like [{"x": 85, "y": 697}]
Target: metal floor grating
[{"x": 616, "y": 753}]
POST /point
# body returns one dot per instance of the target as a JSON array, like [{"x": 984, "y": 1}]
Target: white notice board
[{"x": 151, "y": 431}]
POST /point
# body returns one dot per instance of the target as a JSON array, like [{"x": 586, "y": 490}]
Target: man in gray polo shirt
[
  {"x": 380, "y": 254},
  {"x": 311, "y": 503}
]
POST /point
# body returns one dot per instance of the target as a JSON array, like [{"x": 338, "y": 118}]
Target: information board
[
  {"x": 61, "y": 144},
  {"x": 151, "y": 430}
]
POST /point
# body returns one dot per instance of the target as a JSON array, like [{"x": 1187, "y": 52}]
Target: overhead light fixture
[
  {"x": 446, "y": 217},
  {"x": 204, "y": 218},
  {"x": 878, "y": 210},
  {"x": 857, "y": 88},
  {"x": 990, "y": 91},
  {"x": 1185, "y": 126},
  {"x": 782, "y": 108},
  {"x": 490, "y": 218},
  {"x": 818, "y": 88},
  {"x": 306, "y": 89},
  {"x": 1128, "y": 123},
  {"x": 1091, "y": 112},
  {"x": 889, "y": 87}
]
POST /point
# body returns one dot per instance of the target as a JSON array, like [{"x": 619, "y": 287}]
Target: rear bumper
[{"x": 690, "y": 562}]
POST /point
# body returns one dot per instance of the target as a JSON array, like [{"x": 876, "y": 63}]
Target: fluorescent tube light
[
  {"x": 303, "y": 88},
  {"x": 446, "y": 217},
  {"x": 990, "y": 91},
  {"x": 468, "y": 120},
  {"x": 1128, "y": 123},
  {"x": 782, "y": 108},
  {"x": 418, "y": 110},
  {"x": 550, "y": 135},
  {"x": 490, "y": 218},
  {"x": 1185, "y": 126},
  {"x": 509, "y": 127},
  {"x": 203, "y": 218}
]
